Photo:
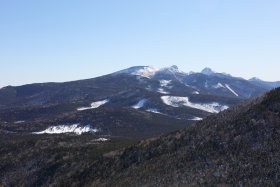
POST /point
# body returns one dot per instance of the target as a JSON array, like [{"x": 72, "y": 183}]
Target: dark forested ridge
[{"x": 239, "y": 146}]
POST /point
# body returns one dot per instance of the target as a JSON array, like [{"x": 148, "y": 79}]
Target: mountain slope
[{"x": 237, "y": 146}]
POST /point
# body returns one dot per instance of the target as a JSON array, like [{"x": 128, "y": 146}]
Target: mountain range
[
  {"x": 139, "y": 101},
  {"x": 238, "y": 146}
]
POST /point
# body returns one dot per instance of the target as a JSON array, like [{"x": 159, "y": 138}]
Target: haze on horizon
[{"x": 55, "y": 41}]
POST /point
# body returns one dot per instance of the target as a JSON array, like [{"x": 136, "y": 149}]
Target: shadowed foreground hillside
[{"x": 238, "y": 146}]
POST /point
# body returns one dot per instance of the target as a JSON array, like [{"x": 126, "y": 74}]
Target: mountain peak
[
  {"x": 255, "y": 79},
  {"x": 207, "y": 71},
  {"x": 174, "y": 67},
  {"x": 143, "y": 71}
]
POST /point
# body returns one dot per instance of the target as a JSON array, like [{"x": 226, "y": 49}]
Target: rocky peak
[{"x": 207, "y": 71}]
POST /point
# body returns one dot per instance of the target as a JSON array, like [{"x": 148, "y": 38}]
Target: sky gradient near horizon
[{"x": 55, "y": 41}]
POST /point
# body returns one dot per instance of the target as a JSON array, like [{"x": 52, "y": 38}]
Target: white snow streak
[
  {"x": 196, "y": 119},
  {"x": 101, "y": 140},
  {"x": 153, "y": 110},
  {"x": 75, "y": 128},
  {"x": 94, "y": 105},
  {"x": 140, "y": 104},
  {"x": 219, "y": 85},
  {"x": 161, "y": 90},
  {"x": 184, "y": 101},
  {"x": 18, "y": 122},
  {"x": 229, "y": 88}
]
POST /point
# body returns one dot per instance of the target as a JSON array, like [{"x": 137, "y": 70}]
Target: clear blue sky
[{"x": 60, "y": 40}]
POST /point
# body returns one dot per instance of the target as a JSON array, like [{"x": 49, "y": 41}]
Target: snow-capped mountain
[
  {"x": 143, "y": 71},
  {"x": 139, "y": 99},
  {"x": 207, "y": 81}
]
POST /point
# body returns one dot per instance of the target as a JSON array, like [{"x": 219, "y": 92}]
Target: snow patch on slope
[
  {"x": 165, "y": 83},
  {"x": 61, "y": 129},
  {"x": 206, "y": 84},
  {"x": 219, "y": 85},
  {"x": 18, "y": 122},
  {"x": 140, "y": 104},
  {"x": 153, "y": 110},
  {"x": 175, "y": 101},
  {"x": 161, "y": 90},
  {"x": 94, "y": 105},
  {"x": 230, "y": 89},
  {"x": 196, "y": 119},
  {"x": 101, "y": 140}
]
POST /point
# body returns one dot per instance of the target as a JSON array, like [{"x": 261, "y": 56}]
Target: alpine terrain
[
  {"x": 238, "y": 146},
  {"x": 140, "y": 101}
]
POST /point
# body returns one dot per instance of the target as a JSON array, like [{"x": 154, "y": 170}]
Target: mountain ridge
[
  {"x": 219, "y": 150},
  {"x": 166, "y": 92},
  {"x": 130, "y": 69}
]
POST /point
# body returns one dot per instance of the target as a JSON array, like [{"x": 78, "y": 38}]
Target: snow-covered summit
[
  {"x": 149, "y": 71},
  {"x": 165, "y": 72},
  {"x": 143, "y": 71},
  {"x": 172, "y": 69}
]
